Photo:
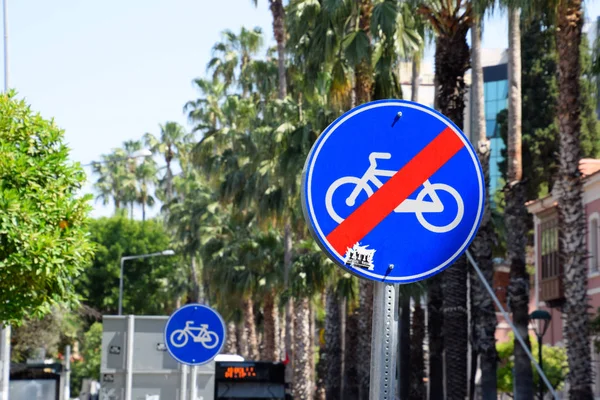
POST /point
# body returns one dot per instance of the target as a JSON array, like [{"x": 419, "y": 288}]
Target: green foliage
[
  {"x": 43, "y": 242},
  {"x": 150, "y": 285},
  {"x": 595, "y": 330},
  {"x": 88, "y": 366},
  {"x": 540, "y": 95},
  {"x": 554, "y": 365},
  {"x": 310, "y": 270},
  {"x": 45, "y": 332},
  {"x": 590, "y": 128}
]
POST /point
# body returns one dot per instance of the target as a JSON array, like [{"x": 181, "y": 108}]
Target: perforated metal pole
[
  {"x": 67, "y": 373},
  {"x": 194, "y": 384},
  {"x": 384, "y": 342},
  {"x": 183, "y": 382},
  {"x": 5, "y": 355},
  {"x": 512, "y": 326},
  {"x": 129, "y": 360}
]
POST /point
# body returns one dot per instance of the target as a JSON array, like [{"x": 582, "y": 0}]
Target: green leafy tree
[
  {"x": 148, "y": 285},
  {"x": 43, "y": 242},
  {"x": 554, "y": 362},
  {"x": 46, "y": 333},
  {"x": 88, "y": 366}
]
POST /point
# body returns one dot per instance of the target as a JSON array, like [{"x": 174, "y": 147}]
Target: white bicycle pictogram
[
  {"x": 418, "y": 206},
  {"x": 208, "y": 339}
]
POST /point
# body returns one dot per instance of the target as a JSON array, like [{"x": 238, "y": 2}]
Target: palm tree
[
  {"x": 193, "y": 217},
  {"x": 309, "y": 278},
  {"x": 115, "y": 179},
  {"x": 483, "y": 315},
  {"x": 435, "y": 319},
  {"x": 515, "y": 212},
  {"x": 236, "y": 51},
  {"x": 205, "y": 112},
  {"x": 450, "y": 21},
  {"x": 168, "y": 144},
  {"x": 145, "y": 174},
  {"x": 341, "y": 290},
  {"x": 406, "y": 346},
  {"x": 570, "y": 204},
  {"x": 417, "y": 362},
  {"x": 278, "y": 13},
  {"x": 333, "y": 345},
  {"x": 231, "y": 342}
]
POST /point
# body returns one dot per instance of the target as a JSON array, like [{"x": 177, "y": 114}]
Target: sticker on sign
[{"x": 393, "y": 191}]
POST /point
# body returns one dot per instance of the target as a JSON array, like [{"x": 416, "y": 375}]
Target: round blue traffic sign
[
  {"x": 393, "y": 191},
  {"x": 194, "y": 334}
]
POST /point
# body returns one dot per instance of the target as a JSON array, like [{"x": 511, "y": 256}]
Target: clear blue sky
[{"x": 111, "y": 70}]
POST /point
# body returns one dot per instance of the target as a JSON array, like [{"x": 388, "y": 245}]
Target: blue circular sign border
[
  {"x": 220, "y": 346},
  {"x": 306, "y": 199}
]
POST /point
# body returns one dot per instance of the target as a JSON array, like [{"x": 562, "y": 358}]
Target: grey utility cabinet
[{"x": 136, "y": 365}]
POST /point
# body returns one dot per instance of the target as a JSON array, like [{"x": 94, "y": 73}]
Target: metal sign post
[
  {"x": 183, "y": 382},
  {"x": 384, "y": 342},
  {"x": 194, "y": 383}
]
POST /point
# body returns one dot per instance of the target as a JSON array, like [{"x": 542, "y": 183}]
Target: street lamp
[
  {"x": 123, "y": 259},
  {"x": 136, "y": 154},
  {"x": 543, "y": 319}
]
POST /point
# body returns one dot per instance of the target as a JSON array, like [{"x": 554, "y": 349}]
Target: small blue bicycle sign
[
  {"x": 194, "y": 334},
  {"x": 208, "y": 339}
]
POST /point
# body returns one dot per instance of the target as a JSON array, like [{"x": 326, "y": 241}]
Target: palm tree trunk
[
  {"x": 143, "y": 210},
  {"x": 452, "y": 58},
  {"x": 571, "y": 211},
  {"x": 483, "y": 315},
  {"x": 416, "y": 78},
  {"x": 320, "y": 391},
  {"x": 455, "y": 329},
  {"x": 363, "y": 71},
  {"x": 351, "y": 358},
  {"x": 289, "y": 308},
  {"x": 302, "y": 383},
  {"x": 333, "y": 346},
  {"x": 417, "y": 361},
  {"x": 435, "y": 320},
  {"x": 242, "y": 340},
  {"x": 278, "y": 13},
  {"x": 196, "y": 296},
  {"x": 271, "y": 328},
  {"x": 250, "y": 327},
  {"x": 231, "y": 340},
  {"x": 169, "y": 177},
  {"x": 515, "y": 213},
  {"x": 311, "y": 350},
  {"x": 365, "y": 327},
  {"x": 404, "y": 347}
]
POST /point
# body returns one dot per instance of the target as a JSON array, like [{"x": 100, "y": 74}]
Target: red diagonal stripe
[{"x": 395, "y": 191}]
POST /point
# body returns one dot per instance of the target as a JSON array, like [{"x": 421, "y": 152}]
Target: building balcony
[{"x": 552, "y": 291}]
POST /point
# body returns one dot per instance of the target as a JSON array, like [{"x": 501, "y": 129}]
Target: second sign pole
[{"x": 384, "y": 342}]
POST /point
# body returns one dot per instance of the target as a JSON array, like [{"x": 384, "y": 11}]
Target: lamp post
[
  {"x": 123, "y": 259},
  {"x": 543, "y": 319}
]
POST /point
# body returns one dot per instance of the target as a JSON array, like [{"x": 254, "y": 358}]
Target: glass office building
[{"x": 495, "y": 92}]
